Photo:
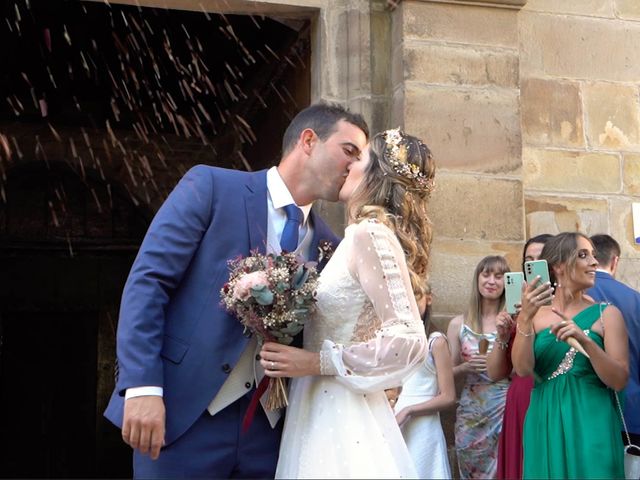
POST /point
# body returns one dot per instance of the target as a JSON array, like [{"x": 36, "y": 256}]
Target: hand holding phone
[
  {"x": 537, "y": 268},
  {"x": 513, "y": 291}
]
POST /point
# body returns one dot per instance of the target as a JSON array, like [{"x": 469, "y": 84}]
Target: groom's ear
[{"x": 308, "y": 139}]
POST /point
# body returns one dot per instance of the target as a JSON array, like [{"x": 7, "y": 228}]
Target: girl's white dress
[
  {"x": 423, "y": 434},
  {"x": 368, "y": 331}
]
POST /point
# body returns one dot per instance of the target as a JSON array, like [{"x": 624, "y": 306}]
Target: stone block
[
  {"x": 612, "y": 116},
  {"x": 358, "y": 59},
  {"x": 631, "y": 175},
  {"x": 398, "y": 25},
  {"x": 443, "y": 64},
  {"x": 578, "y": 47},
  {"x": 468, "y": 129},
  {"x": 381, "y": 45},
  {"x": 551, "y": 113},
  {"x": 398, "y": 67},
  {"x": 477, "y": 207},
  {"x": 570, "y": 171},
  {"x": 629, "y": 271},
  {"x": 375, "y": 111},
  {"x": 627, "y": 9},
  {"x": 332, "y": 59},
  {"x": 452, "y": 266},
  {"x": 398, "y": 108},
  {"x": 596, "y": 8},
  {"x": 555, "y": 214},
  {"x": 621, "y": 226},
  {"x": 477, "y": 25}
]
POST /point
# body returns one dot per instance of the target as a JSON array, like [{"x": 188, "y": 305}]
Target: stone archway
[{"x": 63, "y": 267}]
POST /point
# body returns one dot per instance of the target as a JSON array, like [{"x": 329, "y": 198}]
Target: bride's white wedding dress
[{"x": 370, "y": 337}]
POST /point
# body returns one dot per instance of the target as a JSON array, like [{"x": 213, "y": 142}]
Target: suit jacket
[
  {"x": 173, "y": 331},
  {"x": 608, "y": 289}
]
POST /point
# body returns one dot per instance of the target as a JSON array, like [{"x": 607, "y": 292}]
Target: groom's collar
[{"x": 279, "y": 193}]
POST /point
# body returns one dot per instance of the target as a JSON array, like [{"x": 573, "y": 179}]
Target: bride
[{"x": 367, "y": 335}]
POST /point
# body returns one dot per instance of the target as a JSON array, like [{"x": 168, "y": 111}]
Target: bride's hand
[{"x": 285, "y": 361}]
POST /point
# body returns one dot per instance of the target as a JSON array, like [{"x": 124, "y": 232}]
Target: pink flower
[{"x": 242, "y": 290}]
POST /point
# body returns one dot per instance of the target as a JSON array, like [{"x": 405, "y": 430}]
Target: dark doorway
[
  {"x": 47, "y": 408},
  {"x": 105, "y": 107},
  {"x": 56, "y": 363},
  {"x": 59, "y": 297}
]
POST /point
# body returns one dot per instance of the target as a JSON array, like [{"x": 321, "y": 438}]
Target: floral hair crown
[{"x": 396, "y": 153}]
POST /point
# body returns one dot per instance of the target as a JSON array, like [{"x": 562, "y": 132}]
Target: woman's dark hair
[{"x": 542, "y": 238}]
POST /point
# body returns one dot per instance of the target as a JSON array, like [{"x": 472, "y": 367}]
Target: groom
[{"x": 186, "y": 371}]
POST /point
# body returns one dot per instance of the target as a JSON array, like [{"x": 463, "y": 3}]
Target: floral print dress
[{"x": 479, "y": 414}]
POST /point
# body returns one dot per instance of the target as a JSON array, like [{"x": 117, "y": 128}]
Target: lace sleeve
[{"x": 399, "y": 344}]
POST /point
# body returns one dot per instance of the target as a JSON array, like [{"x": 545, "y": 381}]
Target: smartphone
[
  {"x": 534, "y": 268},
  {"x": 513, "y": 290}
]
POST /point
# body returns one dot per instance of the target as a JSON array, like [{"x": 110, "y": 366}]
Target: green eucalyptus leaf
[{"x": 262, "y": 294}]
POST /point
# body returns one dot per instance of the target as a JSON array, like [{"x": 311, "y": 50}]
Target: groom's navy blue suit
[{"x": 172, "y": 330}]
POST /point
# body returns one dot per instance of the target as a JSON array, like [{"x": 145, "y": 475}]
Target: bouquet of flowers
[{"x": 272, "y": 295}]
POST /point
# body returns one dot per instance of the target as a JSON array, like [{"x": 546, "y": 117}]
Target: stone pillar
[
  {"x": 344, "y": 68},
  {"x": 455, "y": 85},
  {"x": 580, "y": 76}
]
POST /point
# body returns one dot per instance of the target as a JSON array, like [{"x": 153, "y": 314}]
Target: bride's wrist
[{"x": 314, "y": 364}]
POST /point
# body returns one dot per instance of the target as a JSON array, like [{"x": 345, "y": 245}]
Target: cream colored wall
[{"x": 580, "y": 79}]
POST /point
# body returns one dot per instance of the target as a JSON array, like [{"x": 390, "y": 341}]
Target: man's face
[
  {"x": 330, "y": 159},
  {"x": 355, "y": 177}
]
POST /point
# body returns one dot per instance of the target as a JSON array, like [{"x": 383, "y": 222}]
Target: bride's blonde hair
[{"x": 395, "y": 190}]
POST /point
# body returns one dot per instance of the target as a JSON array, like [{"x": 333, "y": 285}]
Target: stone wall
[
  {"x": 455, "y": 83},
  {"x": 533, "y": 115},
  {"x": 580, "y": 78}
]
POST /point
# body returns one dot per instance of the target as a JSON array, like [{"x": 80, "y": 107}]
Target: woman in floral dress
[{"x": 481, "y": 406}]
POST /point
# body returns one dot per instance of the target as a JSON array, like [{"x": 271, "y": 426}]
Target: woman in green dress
[{"x": 572, "y": 428}]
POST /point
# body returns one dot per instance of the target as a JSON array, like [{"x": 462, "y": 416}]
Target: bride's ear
[{"x": 559, "y": 271}]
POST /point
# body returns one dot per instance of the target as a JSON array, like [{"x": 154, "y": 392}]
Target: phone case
[
  {"x": 534, "y": 268},
  {"x": 513, "y": 290}
]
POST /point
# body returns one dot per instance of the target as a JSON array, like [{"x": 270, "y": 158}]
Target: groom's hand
[{"x": 143, "y": 424}]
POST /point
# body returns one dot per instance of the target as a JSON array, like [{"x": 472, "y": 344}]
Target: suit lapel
[
  {"x": 315, "y": 241},
  {"x": 255, "y": 201}
]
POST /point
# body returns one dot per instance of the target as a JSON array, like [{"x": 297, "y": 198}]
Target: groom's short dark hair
[
  {"x": 606, "y": 248},
  {"x": 322, "y": 118}
]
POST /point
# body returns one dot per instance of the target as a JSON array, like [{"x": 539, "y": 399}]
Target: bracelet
[
  {"x": 522, "y": 333},
  {"x": 503, "y": 345}
]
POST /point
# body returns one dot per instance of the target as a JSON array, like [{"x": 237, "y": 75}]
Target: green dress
[{"x": 572, "y": 428}]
